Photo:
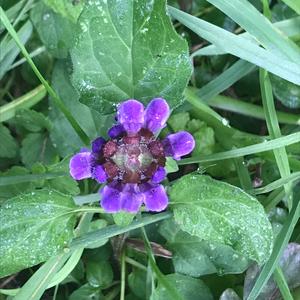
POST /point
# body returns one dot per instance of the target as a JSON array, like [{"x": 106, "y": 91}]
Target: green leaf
[
  {"x": 240, "y": 47},
  {"x": 171, "y": 165},
  {"x": 56, "y": 32},
  {"x": 34, "y": 227},
  {"x": 286, "y": 92},
  {"x": 294, "y": 4},
  {"x": 128, "y": 49},
  {"x": 86, "y": 292},
  {"x": 195, "y": 257},
  {"x": 8, "y": 146},
  {"x": 205, "y": 140},
  {"x": 189, "y": 288},
  {"x": 179, "y": 121},
  {"x": 123, "y": 218},
  {"x": 32, "y": 120},
  {"x": 66, "y": 8},
  {"x": 37, "y": 147},
  {"x": 137, "y": 283},
  {"x": 219, "y": 212},
  {"x": 290, "y": 265},
  {"x": 92, "y": 123},
  {"x": 99, "y": 273}
]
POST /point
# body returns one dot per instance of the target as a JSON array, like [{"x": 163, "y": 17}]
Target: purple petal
[
  {"x": 80, "y": 167},
  {"x": 97, "y": 144},
  {"x": 178, "y": 144},
  {"x": 131, "y": 116},
  {"x": 131, "y": 199},
  {"x": 116, "y": 131},
  {"x": 156, "y": 114},
  {"x": 111, "y": 200},
  {"x": 159, "y": 175},
  {"x": 155, "y": 198},
  {"x": 99, "y": 174}
]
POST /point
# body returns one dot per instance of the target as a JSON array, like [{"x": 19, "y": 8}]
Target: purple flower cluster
[{"x": 132, "y": 161}]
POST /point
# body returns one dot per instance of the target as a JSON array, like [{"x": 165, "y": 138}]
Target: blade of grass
[
  {"x": 9, "y": 110},
  {"x": 113, "y": 230},
  {"x": 34, "y": 288},
  {"x": 274, "y": 129},
  {"x": 249, "y": 109},
  {"x": 282, "y": 284},
  {"x": 58, "y": 102},
  {"x": 293, "y": 4},
  {"x": 249, "y": 18},
  {"x": 289, "y": 27},
  {"x": 243, "y": 175},
  {"x": 240, "y": 47},
  {"x": 257, "y": 148},
  {"x": 278, "y": 183},
  {"x": 7, "y": 180},
  {"x": 280, "y": 244},
  {"x": 230, "y": 76}
]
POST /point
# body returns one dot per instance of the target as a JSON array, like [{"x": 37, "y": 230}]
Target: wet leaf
[
  {"x": 86, "y": 292},
  {"x": 219, "y": 212},
  {"x": 290, "y": 265},
  {"x": 8, "y": 146},
  {"x": 99, "y": 273},
  {"x": 189, "y": 288},
  {"x": 55, "y": 31},
  {"x": 286, "y": 92},
  {"x": 32, "y": 120},
  {"x": 34, "y": 227},
  {"x": 195, "y": 257},
  {"x": 128, "y": 49}
]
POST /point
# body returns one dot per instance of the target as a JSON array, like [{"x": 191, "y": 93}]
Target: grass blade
[
  {"x": 249, "y": 18},
  {"x": 289, "y": 27},
  {"x": 34, "y": 288},
  {"x": 279, "y": 246},
  {"x": 293, "y": 4},
  {"x": 282, "y": 284},
  {"x": 10, "y": 109},
  {"x": 58, "y": 102},
  {"x": 240, "y": 47},
  {"x": 113, "y": 230},
  {"x": 250, "y": 110},
  {"x": 230, "y": 76},
  {"x": 257, "y": 148}
]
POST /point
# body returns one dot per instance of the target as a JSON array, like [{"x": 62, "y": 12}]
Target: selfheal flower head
[{"x": 132, "y": 161}]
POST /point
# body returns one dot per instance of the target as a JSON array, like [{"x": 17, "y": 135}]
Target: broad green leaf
[
  {"x": 240, "y": 47},
  {"x": 195, "y": 257},
  {"x": 8, "y": 146},
  {"x": 123, "y": 218},
  {"x": 34, "y": 227},
  {"x": 219, "y": 212},
  {"x": 99, "y": 273},
  {"x": 137, "y": 283},
  {"x": 249, "y": 18},
  {"x": 32, "y": 120},
  {"x": 86, "y": 292},
  {"x": 92, "y": 123},
  {"x": 128, "y": 49},
  {"x": 37, "y": 147},
  {"x": 55, "y": 31},
  {"x": 286, "y": 92},
  {"x": 290, "y": 265},
  {"x": 189, "y": 288},
  {"x": 66, "y": 8}
]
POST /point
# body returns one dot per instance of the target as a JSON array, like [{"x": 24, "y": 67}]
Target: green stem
[
  {"x": 123, "y": 275},
  {"x": 58, "y": 102},
  {"x": 135, "y": 263},
  {"x": 282, "y": 284}
]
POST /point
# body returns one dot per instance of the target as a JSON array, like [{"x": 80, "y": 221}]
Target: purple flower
[{"x": 132, "y": 161}]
